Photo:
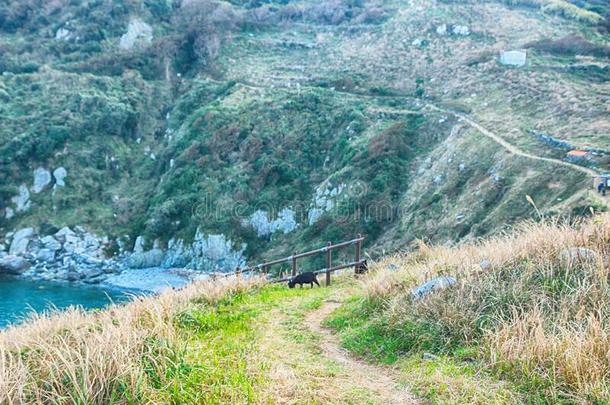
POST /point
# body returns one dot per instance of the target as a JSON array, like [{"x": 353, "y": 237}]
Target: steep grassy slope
[{"x": 234, "y": 114}]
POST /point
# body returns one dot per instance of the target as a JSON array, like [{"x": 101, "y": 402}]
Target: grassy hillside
[
  {"x": 526, "y": 322},
  {"x": 218, "y": 111}
]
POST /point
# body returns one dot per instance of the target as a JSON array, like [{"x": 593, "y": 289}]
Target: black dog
[{"x": 304, "y": 278}]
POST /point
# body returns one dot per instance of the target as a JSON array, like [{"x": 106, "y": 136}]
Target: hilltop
[
  {"x": 259, "y": 127},
  {"x": 525, "y": 321}
]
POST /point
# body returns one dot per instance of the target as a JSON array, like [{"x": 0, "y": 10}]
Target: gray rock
[
  {"x": 138, "y": 34},
  {"x": 13, "y": 265},
  {"x": 513, "y": 58},
  {"x": 51, "y": 243},
  {"x": 63, "y": 232},
  {"x": 60, "y": 174},
  {"x": 579, "y": 255},
  {"x": 461, "y": 30},
  {"x": 21, "y": 240},
  {"x": 63, "y": 34},
  {"x": 429, "y": 356},
  {"x": 151, "y": 258},
  {"x": 441, "y": 29},
  {"x": 45, "y": 255},
  {"x": 485, "y": 265},
  {"x": 138, "y": 246},
  {"x": 392, "y": 266},
  {"x": 91, "y": 273},
  {"x": 22, "y": 200},
  {"x": 42, "y": 178},
  {"x": 436, "y": 284}
]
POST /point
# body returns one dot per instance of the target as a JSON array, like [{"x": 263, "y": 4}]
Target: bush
[{"x": 570, "y": 45}]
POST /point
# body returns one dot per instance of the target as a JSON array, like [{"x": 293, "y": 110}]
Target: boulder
[
  {"x": 138, "y": 34},
  {"x": 13, "y": 265},
  {"x": 436, "y": 284},
  {"x": 42, "y": 178},
  {"x": 61, "y": 234},
  {"x": 51, "y": 243},
  {"x": 22, "y": 200},
  {"x": 45, "y": 255},
  {"x": 513, "y": 58},
  {"x": 138, "y": 246},
  {"x": 151, "y": 258},
  {"x": 21, "y": 239},
  {"x": 60, "y": 174},
  {"x": 579, "y": 255}
]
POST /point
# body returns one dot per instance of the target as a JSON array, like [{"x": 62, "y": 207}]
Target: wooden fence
[{"x": 358, "y": 264}]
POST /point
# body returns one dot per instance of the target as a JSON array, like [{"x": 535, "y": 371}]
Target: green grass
[
  {"x": 219, "y": 360},
  {"x": 448, "y": 374}
]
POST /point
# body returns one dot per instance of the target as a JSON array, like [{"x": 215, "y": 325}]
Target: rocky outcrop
[
  {"x": 264, "y": 226},
  {"x": 14, "y": 265},
  {"x": 68, "y": 255},
  {"x": 21, "y": 240},
  {"x": 60, "y": 174},
  {"x": 22, "y": 200},
  {"x": 42, "y": 178},
  {"x": 139, "y": 34}
]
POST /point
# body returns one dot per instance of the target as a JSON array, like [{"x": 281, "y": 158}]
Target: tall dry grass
[
  {"x": 114, "y": 355},
  {"x": 535, "y": 300}
]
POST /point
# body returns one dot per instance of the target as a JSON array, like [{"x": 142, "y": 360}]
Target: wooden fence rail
[{"x": 358, "y": 264}]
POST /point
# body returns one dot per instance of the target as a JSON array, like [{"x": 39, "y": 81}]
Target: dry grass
[
  {"x": 114, "y": 355},
  {"x": 533, "y": 309}
]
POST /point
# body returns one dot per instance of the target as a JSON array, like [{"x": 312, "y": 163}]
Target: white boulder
[
  {"x": 60, "y": 174},
  {"x": 138, "y": 34},
  {"x": 22, "y": 200},
  {"x": 21, "y": 239},
  {"x": 513, "y": 58},
  {"x": 42, "y": 178},
  {"x": 13, "y": 265}
]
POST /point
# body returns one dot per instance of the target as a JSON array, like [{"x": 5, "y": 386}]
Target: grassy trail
[{"x": 269, "y": 346}]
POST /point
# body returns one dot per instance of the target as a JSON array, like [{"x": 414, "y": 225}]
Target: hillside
[
  {"x": 278, "y": 124},
  {"x": 524, "y": 321}
]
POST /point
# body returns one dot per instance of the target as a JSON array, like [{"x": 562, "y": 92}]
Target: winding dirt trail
[
  {"x": 510, "y": 147},
  {"x": 384, "y": 381}
]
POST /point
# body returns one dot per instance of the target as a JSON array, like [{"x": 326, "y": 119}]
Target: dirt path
[
  {"x": 510, "y": 147},
  {"x": 384, "y": 381}
]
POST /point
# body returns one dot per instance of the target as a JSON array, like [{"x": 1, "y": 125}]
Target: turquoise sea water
[{"x": 18, "y": 298}]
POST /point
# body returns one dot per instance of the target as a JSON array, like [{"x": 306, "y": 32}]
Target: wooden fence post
[
  {"x": 294, "y": 264},
  {"x": 329, "y": 260},
  {"x": 358, "y": 248}
]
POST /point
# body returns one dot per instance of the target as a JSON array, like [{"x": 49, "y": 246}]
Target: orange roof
[{"x": 577, "y": 153}]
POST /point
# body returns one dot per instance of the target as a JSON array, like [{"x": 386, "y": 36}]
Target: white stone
[
  {"x": 42, "y": 178},
  {"x": 441, "y": 29},
  {"x": 138, "y": 33},
  {"x": 260, "y": 221},
  {"x": 60, "y": 174},
  {"x": 22, "y": 201},
  {"x": 51, "y": 243},
  {"x": 138, "y": 246},
  {"x": 461, "y": 30},
  {"x": 513, "y": 58},
  {"x": 21, "y": 239},
  {"x": 9, "y": 213},
  {"x": 63, "y": 34}
]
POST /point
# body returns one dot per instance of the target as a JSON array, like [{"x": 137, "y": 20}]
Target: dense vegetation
[{"x": 220, "y": 109}]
